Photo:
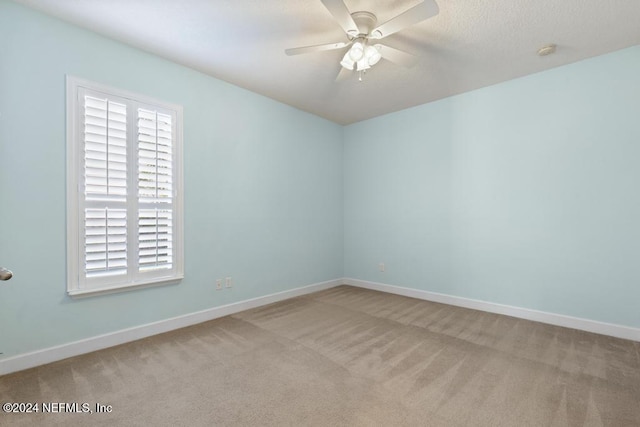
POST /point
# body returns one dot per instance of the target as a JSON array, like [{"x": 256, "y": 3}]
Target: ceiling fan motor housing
[{"x": 366, "y": 21}]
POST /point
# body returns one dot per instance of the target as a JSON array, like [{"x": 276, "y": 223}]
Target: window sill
[{"x": 84, "y": 293}]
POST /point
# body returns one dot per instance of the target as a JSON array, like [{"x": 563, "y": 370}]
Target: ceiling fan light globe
[
  {"x": 373, "y": 55},
  {"x": 356, "y": 52},
  {"x": 347, "y": 62},
  {"x": 348, "y": 66},
  {"x": 363, "y": 64}
]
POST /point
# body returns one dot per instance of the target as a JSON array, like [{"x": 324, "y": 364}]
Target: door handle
[{"x": 5, "y": 274}]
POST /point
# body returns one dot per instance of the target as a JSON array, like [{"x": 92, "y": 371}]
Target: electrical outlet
[
  {"x": 229, "y": 282},
  {"x": 218, "y": 284},
  {"x": 381, "y": 267}
]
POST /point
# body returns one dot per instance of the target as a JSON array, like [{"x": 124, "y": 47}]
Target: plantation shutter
[
  {"x": 105, "y": 187},
  {"x": 155, "y": 190},
  {"x": 124, "y": 190}
]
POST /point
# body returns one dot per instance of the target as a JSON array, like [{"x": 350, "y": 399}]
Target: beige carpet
[{"x": 343, "y": 357}]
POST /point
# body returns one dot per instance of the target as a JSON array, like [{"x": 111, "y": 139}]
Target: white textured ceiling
[{"x": 470, "y": 44}]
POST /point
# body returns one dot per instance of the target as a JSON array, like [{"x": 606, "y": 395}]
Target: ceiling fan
[{"x": 362, "y": 30}]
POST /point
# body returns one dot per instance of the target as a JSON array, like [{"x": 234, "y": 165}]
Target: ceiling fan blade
[
  {"x": 344, "y": 74},
  {"x": 341, "y": 14},
  {"x": 316, "y": 48},
  {"x": 397, "y": 56},
  {"x": 418, "y": 13}
]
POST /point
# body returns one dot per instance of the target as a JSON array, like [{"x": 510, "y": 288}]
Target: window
[{"x": 124, "y": 190}]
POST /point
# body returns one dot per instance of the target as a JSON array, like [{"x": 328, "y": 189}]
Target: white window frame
[{"x": 77, "y": 284}]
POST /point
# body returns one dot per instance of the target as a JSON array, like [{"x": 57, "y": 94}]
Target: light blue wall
[
  {"x": 525, "y": 193},
  {"x": 263, "y": 186}
]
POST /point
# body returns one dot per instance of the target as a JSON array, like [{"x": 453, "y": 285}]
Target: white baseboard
[
  {"x": 53, "y": 354},
  {"x": 603, "y": 328}
]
